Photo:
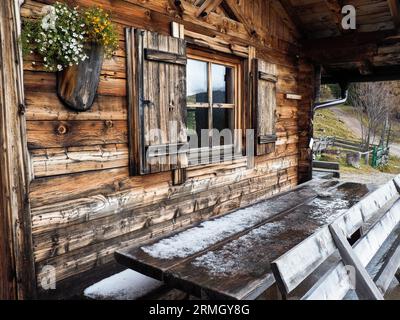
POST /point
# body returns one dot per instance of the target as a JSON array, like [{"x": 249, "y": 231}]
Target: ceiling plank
[
  {"x": 395, "y": 12},
  {"x": 335, "y": 7},
  {"x": 291, "y": 12},
  {"x": 207, "y": 7}
]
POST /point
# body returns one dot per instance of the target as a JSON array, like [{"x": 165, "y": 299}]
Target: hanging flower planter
[
  {"x": 77, "y": 84},
  {"x": 73, "y": 43}
]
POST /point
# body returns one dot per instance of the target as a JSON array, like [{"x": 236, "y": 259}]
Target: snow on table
[{"x": 210, "y": 232}]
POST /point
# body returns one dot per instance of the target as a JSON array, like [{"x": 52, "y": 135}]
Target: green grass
[
  {"x": 344, "y": 167},
  {"x": 326, "y": 123}
]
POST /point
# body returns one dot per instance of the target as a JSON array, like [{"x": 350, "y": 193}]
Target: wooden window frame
[{"x": 237, "y": 64}]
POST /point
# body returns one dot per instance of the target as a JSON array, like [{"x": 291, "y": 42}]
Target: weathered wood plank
[
  {"x": 392, "y": 263},
  {"x": 45, "y": 106},
  {"x": 17, "y": 273},
  {"x": 57, "y": 189},
  {"x": 46, "y": 82},
  {"x": 56, "y": 134},
  {"x": 366, "y": 288},
  {"x": 297, "y": 264},
  {"x": 59, "y": 161},
  {"x": 165, "y": 57}
]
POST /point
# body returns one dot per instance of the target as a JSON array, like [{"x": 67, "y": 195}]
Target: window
[{"x": 212, "y": 101}]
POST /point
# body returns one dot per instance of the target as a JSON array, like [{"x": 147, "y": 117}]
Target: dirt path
[{"x": 354, "y": 125}]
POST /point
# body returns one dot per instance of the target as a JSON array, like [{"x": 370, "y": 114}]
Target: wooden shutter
[
  {"x": 157, "y": 102},
  {"x": 265, "y": 79}
]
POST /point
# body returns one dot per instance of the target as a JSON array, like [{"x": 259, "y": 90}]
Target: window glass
[
  {"x": 197, "y": 80},
  {"x": 221, "y": 108},
  {"x": 222, "y": 84},
  {"x": 197, "y": 119},
  {"x": 223, "y": 122}
]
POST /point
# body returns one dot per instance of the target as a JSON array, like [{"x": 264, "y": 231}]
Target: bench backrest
[{"x": 296, "y": 265}]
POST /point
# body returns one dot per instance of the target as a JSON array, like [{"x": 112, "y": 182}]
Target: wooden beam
[
  {"x": 395, "y": 12},
  {"x": 348, "y": 47},
  {"x": 176, "y": 7},
  {"x": 365, "y": 287},
  {"x": 207, "y": 7},
  {"x": 389, "y": 73},
  {"x": 365, "y": 67},
  {"x": 17, "y": 273},
  {"x": 240, "y": 16},
  {"x": 390, "y": 268}
]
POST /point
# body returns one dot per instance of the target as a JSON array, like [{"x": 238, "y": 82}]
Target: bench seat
[{"x": 318, "y": 268}]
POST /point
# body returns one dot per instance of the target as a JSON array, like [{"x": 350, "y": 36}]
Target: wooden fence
[{"x": 380, "y": 154}]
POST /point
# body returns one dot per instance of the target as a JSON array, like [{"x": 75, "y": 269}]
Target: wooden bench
[{"x": 322, "y": 266}]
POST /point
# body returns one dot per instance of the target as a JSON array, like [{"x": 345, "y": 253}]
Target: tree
[{"x": 373, "y": 103}]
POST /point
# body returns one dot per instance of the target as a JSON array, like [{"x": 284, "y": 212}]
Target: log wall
[{"x": 84, "y": 204}]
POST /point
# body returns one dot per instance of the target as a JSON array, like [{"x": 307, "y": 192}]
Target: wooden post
[
  {"x": 365, "y": 287},
  {"x": 17, "y": 274}
]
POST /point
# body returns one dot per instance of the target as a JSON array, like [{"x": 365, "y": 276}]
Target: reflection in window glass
[
  {"x": 222, "y": 84},
  {"x": 197, "y": 119},
  {"x": 197, "y": 91},
  {"x": 223, "y": 121}
]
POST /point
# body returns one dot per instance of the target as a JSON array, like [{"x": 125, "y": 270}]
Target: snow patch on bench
[{"x": 127, "y": 285}]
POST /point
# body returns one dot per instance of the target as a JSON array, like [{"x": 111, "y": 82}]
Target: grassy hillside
[{"x": 326, "y": 123}]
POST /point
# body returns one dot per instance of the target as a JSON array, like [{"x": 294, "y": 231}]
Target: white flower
[
  {"x": 33, "y": 62},
  {"x": 44, "y": 59},
  {"x": 50, "y": 17},
  {"x": 59, "y": 67}
]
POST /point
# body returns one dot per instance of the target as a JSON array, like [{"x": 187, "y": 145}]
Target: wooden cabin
[{"x": 76, "y": 186}]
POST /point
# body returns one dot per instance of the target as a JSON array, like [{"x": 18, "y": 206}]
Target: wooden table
[{"x": 229, "y": 257}]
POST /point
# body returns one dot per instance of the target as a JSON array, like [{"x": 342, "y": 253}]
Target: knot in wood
[
  {"x": 109, "y": 124},
  {"x": 62, "y": 129}
]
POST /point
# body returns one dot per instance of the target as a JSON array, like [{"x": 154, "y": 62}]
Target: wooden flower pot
[{"x": 77, "y": 85}]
